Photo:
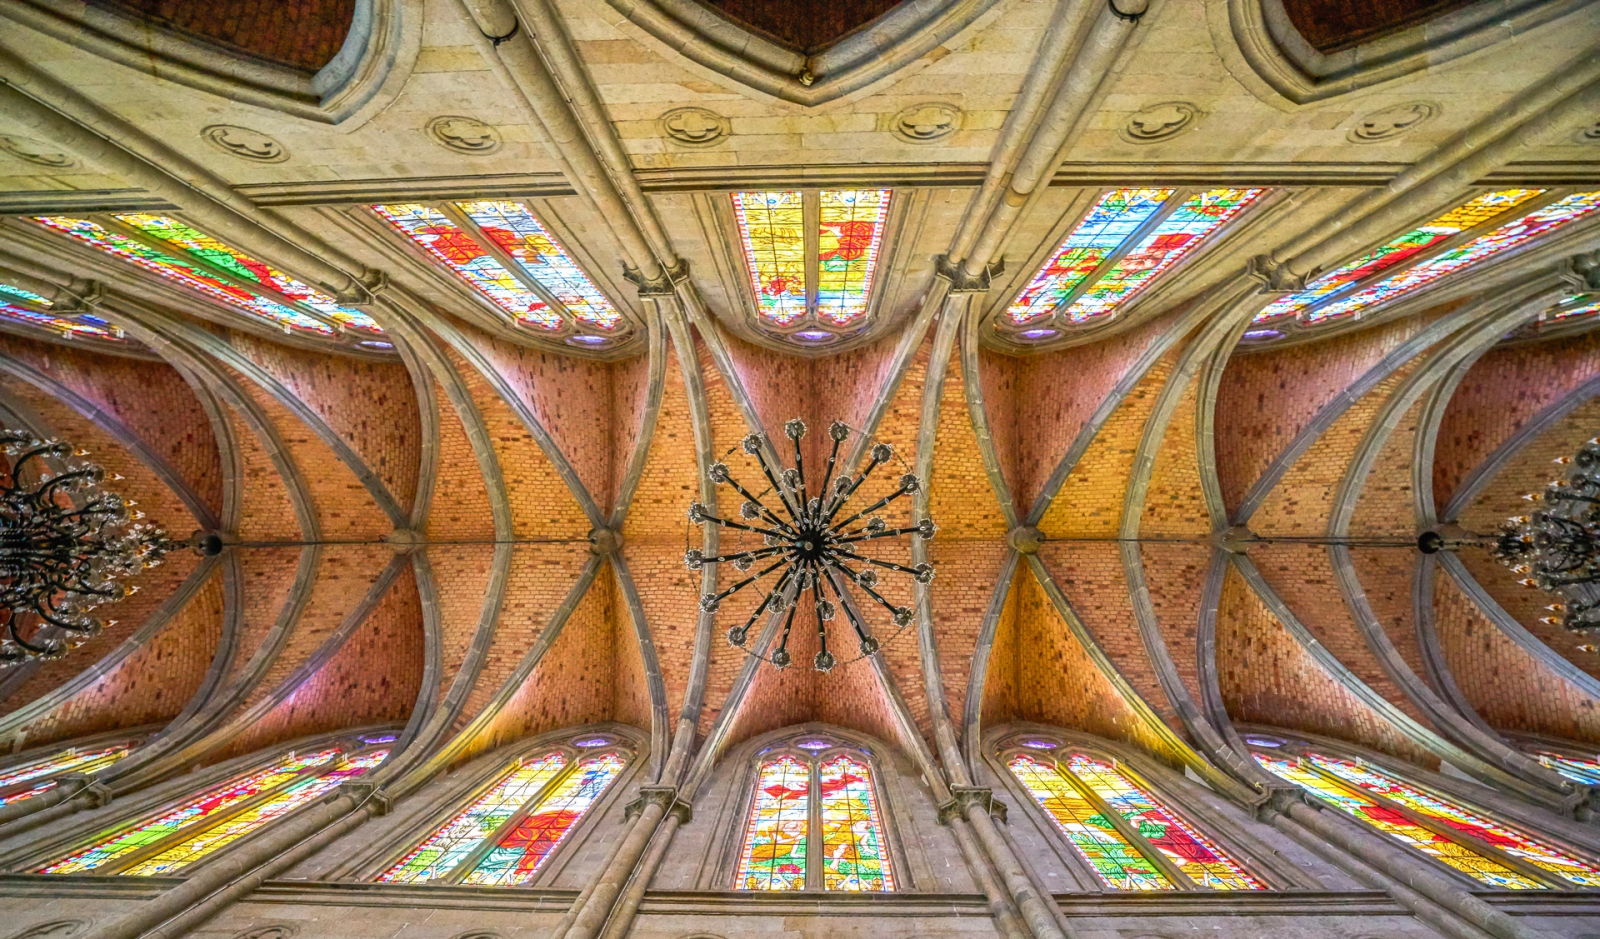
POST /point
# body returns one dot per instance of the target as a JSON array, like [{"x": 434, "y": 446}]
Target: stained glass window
[
  {"x": 445, "y": 240},
  {"x": 1470, "y": 214},
  {"x": 847, "y": 251},
  {"x": 229, "y": 830},
  {"x": 183, "y": 272},
  {"x": 772, "y": 231},
  {"x": 1572, "y": 767},
  {"x": 67, "y": 761},
  {"x": 1191, "y": 851},
  {"x": 1113, "y": 858},
  {"x": 522, "y": 851},
  {"x": 1111, "y": 222},
  {"x": 1573, "y": 312},
  {"x": 203, "y": 247},
  {"x": 148, "y": 833},
  {"x": 1399, "y": 826},
  {"x": 853, "y": 854},
  {"x": 1512, "y": 235},
  {"x": 1178, "y": 235},
  {"x": 449, "y": 846},
  {"x": 1442, "y": 810},
  {"x": 774, "y": 855},
  {"x": 511, "y": 226}
]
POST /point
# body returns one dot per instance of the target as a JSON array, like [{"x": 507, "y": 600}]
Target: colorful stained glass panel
[
  {"x": 445, "y": 240},
  {"x": 511, "y": 226},
  {"x": 450, "y": 845},
  {"x": 67, "y": 761},
  {"x": 854, "y": 855},
  {"x": 1111, "y": 222},
  {"x": 772, "y": 231},
  {"x": 180, "y": 271},
  {"x": 1488, "y": 872},
  {"x": 525, "y": 848},
  {"x": 1117, "y": 862},
  {"x": 203, "y": 247},
  {"x": 83, "y": 325},
  {"x": 1470, "y": 214},
  {"x": 1514, "y": 235},
  {"x": 1440, "y": 809},
  {"x": 1190, "y": 851},
  {"x": 774, "y": 853},
  {"x": 213, "y": 839},
  {"x": 1177, "y": 236},
  {"x": 150, "y": 832},
  {"x": 1573, "y": 312},
  {"x": 852, "y": 223},
  {"x": 1574, "y": 768}
]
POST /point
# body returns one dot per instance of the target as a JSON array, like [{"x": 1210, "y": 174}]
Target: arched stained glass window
[
  {"x": 1489, "y": 852},
  {"x": 1577, "y": 768},
  {"x": 176, "y": 838},
  {"x": 821, "y": 795},
  {"x": 1128, "y": 837},
  {"x": 508, "y": 832},
  {"x": 32, "y": 778}
]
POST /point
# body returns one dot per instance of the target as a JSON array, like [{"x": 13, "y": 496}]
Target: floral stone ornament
[
  {"x": 808, "y": 545},
  {"x": 65, "y": 546}
]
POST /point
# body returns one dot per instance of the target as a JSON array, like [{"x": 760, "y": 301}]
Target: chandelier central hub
[{"x": 810, "y": 544}]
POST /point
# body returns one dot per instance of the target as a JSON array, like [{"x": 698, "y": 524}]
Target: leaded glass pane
[
  {"x": 525, "y": 848},
  {"x": 1178, "y": 235},
  {"x": 772, "y": 232},
  {"x": 852, "y": 223},
  {"x": 1437, "y": 807},
  {"x": 67, "y": 761},
  {"x": 854, "y": 856},
  {"x": 1111, "y": 222},
  {"x": 450, "y": 845},
  {"x": 218, "y": 836},
  {"x": 1189, "y": 850},
  {"x": 1469, "y": 214},
  {"x": 1117, "y": 862},
  {"x": 445, "y": 240},
  {"x": 511, "y": 226},
  {"x": 205, "y": 248},
  {"x": 1484, "y": 870},
  {"x": 147, "y": 833},
  {"x": 1572, "y": 767},
  {"x": 175, "y": 269},
  {"x": 774, "y": 853}
]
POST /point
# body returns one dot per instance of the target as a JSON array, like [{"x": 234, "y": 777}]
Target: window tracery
[
  {"x": 1116, "y": 823},
  {"x": 171, "y": 840},
  {"x": 506, "y": 254},
  {"x": 811, "y": 258},
  {"x": 178, "y": 252},
  {"x": 507, "y": 833},
  {"x": 1126, "y": 243},
  {"x": 815, "y": 820},
  {"x": 1480, "y": 229},
  {"x": 36, "y": 776},
  {"x": 1461, "y": 837}
]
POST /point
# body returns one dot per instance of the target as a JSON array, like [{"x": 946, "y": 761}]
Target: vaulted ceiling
[{"x": 1175, "y": 497}]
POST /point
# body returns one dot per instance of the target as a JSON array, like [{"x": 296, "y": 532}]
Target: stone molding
[{"x": 664, "y": 796}]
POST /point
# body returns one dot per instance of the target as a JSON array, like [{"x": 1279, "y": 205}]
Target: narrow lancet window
[{"x": 30, "y": 779}]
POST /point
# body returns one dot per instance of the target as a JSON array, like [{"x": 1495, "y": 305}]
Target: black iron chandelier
[
  {"x": 65, "y": 545},
  {"x": 1558, "y": 547},
  {"x": 809, "y": 547}
]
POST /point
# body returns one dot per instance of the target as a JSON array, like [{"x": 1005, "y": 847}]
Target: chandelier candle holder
[
  {"x": 65, "y": 546},
  {"x": 1558, "y": 546},
  {"x": 807, "y": 545}
]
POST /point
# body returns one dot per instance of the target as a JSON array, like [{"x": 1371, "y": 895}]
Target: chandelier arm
[
  {"x": 827, "y": 477},
  {"x": 58, "y": 481},
  {"x": 727, "y": 523},
  {"x": 855, "y": 484},
  {"x": 753, "y": 555},
  {"x": 765, "y": 512},
  {"x": 870, "y": 592},
  {"x": 749, "y": 580},
  {"x": 788, "y": 624},
  {"x": 36, "y": 650},
  {"x": 849, "y": 610},
  {"x": 890, "y": 565},
  {"x": 778, "y": 588},
  {"x": 783, "y": 493},
  {"x": 822, "y": 626},
  {"x": 800, "y": 470},
  {"x": 861, "y": 534},
  {"x": 874, "y": 506},
  {"x": 35, "y": 453}
]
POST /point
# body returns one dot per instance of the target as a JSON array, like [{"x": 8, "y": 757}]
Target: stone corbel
[
  {"x": 1582, "y": 272},
  {"x": 663, "y": 286},
  {"x": 1275, "y": 276},
  {"x": 365, "y": 793},
  {"x": 962, "y": 282},
  {"x": 81, "y": 296},
  {"x": 364, "y": 292},
  {"x": 1276, "y": 800},
  {"x": 95, "y": 794},
  {"x": 664, "y": 796},
  {"x": 963, "y": 796}
]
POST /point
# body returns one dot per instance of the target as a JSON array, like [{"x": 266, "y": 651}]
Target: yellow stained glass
[{"x": 772, "y": 231}]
